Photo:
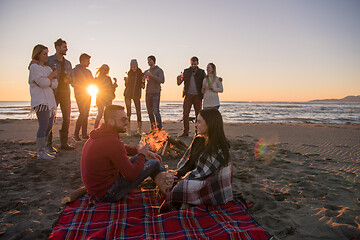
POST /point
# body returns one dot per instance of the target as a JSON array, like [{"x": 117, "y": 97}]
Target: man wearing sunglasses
[{"x": 106, "y": 170}]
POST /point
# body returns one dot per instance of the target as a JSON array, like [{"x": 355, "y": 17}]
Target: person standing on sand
[
  {"x": 83, "y": 78},
  {"x": 62, "y": 93},
  {"x": 154, "y": 76},
  {"x": 134, "y": 83},
  {"x": 106, "y": 171},
  {"x": 204, "y": 173},
  {"x": 211, "y": 87},
  {"x": 42, "y": 81},
  {"x": 106, "y": 91},
  {"x": 193, "y": 78}
]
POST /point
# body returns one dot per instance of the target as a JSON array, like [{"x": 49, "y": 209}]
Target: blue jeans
[
  {"x": 45, "y": 123},
  {"x": 122, "y": 186},
  {"x": 153, "y": 109}
]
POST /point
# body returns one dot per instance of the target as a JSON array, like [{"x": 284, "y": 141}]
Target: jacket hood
[
  {"x": 103, "y": 131},
  {"x": 79, "y": 66}
]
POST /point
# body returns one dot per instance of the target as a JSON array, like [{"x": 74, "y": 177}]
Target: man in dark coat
[{"x": 193, "y": 78}]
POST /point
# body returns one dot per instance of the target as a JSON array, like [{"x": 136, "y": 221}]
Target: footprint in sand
[
  {"x": 280, "y": 196},
  {"x": 244, "y": 177}
]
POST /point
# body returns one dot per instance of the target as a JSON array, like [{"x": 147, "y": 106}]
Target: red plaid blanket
[{"x": 137, "y": 217}]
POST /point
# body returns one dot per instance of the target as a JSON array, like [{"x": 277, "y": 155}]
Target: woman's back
[
  {"x": 133, "y": 85},
  {"x": 106, "y": 89}
]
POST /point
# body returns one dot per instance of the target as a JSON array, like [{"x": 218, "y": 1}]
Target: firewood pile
[{"x": 165, "y": 145}]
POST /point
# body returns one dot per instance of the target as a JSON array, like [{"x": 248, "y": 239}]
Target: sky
[{"x": 265, "y": 50}]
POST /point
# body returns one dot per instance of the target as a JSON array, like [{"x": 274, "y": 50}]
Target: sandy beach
[{"x": 305, "y": 185}]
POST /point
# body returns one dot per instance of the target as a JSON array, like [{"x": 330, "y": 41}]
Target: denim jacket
[{"x": 62, "y": 86}]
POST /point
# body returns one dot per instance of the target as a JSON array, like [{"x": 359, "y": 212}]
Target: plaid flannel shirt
[{"x": 209, "y": 183}]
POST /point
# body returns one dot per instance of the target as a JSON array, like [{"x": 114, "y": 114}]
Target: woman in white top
[
  {"x": 42, "y": 81},
  {"x": 211, "y": 87}
]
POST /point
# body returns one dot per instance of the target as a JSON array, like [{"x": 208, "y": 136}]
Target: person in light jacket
[
  {"x": 42, "y": 81},
  {"x": 212, "y": 85}
]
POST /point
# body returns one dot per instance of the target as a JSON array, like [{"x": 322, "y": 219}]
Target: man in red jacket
[{"x": 106, "y": 171}]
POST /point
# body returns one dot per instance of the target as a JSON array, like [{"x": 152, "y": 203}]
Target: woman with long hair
[
  {"x": 211, "y": 88},
  {"x": 106, "y": 91},
  {"x": 42, "y": 81},
  {"x": 133, "y": 85},
  {"x": 204, "y": 173}
]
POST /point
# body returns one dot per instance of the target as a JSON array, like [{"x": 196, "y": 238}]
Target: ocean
[{"x": 232, "y": 112}]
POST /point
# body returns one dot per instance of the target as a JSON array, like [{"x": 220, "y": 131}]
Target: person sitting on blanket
[
  {"x": 106, "y": 170},
  {"x": 205, "y": 170}
]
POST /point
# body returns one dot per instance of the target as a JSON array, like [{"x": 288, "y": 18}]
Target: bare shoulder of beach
[{"x": 304, "y": 180}]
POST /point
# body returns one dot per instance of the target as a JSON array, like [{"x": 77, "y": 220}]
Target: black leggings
[{"x": 137, "y": 107}]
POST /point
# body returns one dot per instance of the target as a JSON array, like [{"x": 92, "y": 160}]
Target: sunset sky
[{"x": 265, "y": 50}]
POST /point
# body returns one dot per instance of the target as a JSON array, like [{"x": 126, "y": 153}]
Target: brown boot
[
  {"x": 64, "y": 141},
  {"x": 50, "y": 147}
]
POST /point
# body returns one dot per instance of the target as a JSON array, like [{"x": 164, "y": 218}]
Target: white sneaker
[
  {"x": 51, "y": 153},
  {"x": 45, "y": 156}
]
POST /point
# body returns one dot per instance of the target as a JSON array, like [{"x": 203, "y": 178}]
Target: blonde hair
[
  {"x": 37, "y": 50},
  {"x": 103, "y": 70},
  {"x": 214, "y": 71}
]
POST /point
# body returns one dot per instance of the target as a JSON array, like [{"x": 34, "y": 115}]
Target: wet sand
[{"x": 306, "y": 186}]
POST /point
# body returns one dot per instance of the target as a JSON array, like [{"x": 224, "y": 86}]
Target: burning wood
[
  {"x": 161, "y": 142},
  {"x": 165, "y": 148}
]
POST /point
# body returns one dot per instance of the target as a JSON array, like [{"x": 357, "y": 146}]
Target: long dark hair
[{"x": 216, "y": 134}]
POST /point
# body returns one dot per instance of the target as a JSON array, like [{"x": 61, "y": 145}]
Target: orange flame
[{"x": 156, "y": 139}]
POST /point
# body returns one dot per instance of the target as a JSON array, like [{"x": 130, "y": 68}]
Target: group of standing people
[
  {"x": 200, "y": 91},
  {"x": 50, "y": 79},
  {"x": 57, "y": 70},
  {"x": 198, "y": 86},
  {"x": 135, "y": 81}
]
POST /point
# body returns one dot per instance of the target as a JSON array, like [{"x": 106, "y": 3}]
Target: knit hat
[
  {"x": 153, "y": 58},
  {"x": 133, "y": 62}
]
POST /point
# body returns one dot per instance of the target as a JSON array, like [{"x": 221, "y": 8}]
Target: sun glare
[{"x": 93, "y": 90}]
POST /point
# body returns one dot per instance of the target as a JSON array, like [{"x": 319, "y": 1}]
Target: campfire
[{"x": 165, "y": 145}]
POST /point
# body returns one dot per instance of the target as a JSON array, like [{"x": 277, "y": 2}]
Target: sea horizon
[{"x": 232, "y": 111}]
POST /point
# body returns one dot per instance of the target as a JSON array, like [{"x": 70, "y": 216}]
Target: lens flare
[
  {"x": 93, "y": 90},
  {"x": 265, "y": 150}
]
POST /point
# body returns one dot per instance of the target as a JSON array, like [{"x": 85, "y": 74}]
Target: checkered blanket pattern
[{"x": 137, "y": 217}]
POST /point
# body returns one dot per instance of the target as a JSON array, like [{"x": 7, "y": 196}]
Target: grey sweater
[{"x": 153, "y": 85}]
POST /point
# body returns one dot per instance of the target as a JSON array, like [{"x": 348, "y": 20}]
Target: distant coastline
[{"x": 347, "y": 99}]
